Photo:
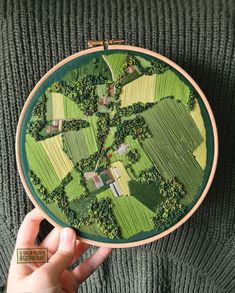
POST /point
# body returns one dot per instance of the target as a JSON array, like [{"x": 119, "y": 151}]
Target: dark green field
[
  {"x": 101, "y": 68},
  {"x": 148, "y": 194},
  {"x": 175, "y": 137}
]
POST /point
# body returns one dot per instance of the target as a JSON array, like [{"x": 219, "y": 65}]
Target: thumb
[{"x": 62, "y": 258}]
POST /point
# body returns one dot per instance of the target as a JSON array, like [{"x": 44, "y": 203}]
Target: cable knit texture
[{"x": 199, "y": 36}]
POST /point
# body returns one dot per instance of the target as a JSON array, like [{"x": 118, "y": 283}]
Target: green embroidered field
[
  {"x": 94, "y": 66},
  {"x": 61, "y": 107},
  {"x": 172, "y": 144},
  {"x": 115, "y": 62},
  {"x": 118, "y": 146},
  {"x": 127, "y": 212},
  {"x": 40, "y": 164},
  {"x": 84, "y": 138}
]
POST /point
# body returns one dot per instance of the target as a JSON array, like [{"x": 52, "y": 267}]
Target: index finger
[
  {"x": 85, "y": 269},
  {"x": 29, "y": 229}
]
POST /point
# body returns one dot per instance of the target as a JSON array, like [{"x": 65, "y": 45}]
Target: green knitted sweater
[{"x": 200, "y": 37}]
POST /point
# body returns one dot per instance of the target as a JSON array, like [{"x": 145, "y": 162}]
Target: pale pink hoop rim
[{"x": 214, "y": 129}]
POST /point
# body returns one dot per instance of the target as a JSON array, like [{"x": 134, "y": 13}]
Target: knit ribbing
[{"x": 199, "y": 36}]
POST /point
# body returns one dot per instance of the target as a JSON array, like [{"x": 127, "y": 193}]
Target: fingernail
[{"x": 67, "y": 239}]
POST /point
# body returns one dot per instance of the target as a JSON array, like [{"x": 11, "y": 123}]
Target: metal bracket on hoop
[{"x": 105, "y": 43}]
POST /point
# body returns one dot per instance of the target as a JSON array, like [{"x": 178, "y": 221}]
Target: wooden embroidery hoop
[{"x": 99, "y": 46}]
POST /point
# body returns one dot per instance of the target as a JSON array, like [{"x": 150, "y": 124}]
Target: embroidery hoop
[{"x": 107, "y": 46}]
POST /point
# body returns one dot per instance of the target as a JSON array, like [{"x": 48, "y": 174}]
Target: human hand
[{"x": 63, "y": 250}]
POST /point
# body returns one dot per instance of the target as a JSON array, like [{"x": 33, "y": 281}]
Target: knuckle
[{"x": 65, "y": 254}]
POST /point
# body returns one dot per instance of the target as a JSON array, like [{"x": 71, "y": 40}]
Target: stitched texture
[{"x": 199, "y": 36}]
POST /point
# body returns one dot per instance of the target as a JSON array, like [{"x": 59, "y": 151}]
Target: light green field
[
  {"x": 175, "y": 137},
  {"x": 152, "y": 88},
  {"x": 110, "y": 137},
  {"x": 58, "y": 158},
  {"x": 58, "y": 106},
  {"x": 141, "y": 89},
  {"x": 81, "y": 144},
  {"x": 61, "y": 107},
  {"x": 201, "y": 151},
  {"x": 71, "y": 109},
  {"x": 143, "y": 62},
  {"x": 73, "y": 189},
  {"x": 115, "y": 62},
  {"x": 100, "y": 90},
  {"x": 90, "y": 186},
  {"x": 200, "y": 154},
  {"x": 92, "y": 229},
  {"x": 93, "y": 123},
  {"x": 55, "y": 210},
  {"x": 40, "y": 164},
  {"x": 144, "y": 162},
  {"x": 132, "y": 216},
  {"x": 169, "y": 84}
]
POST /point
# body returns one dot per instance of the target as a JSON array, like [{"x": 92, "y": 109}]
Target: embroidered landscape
[{"x": 118, "y": 146}]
